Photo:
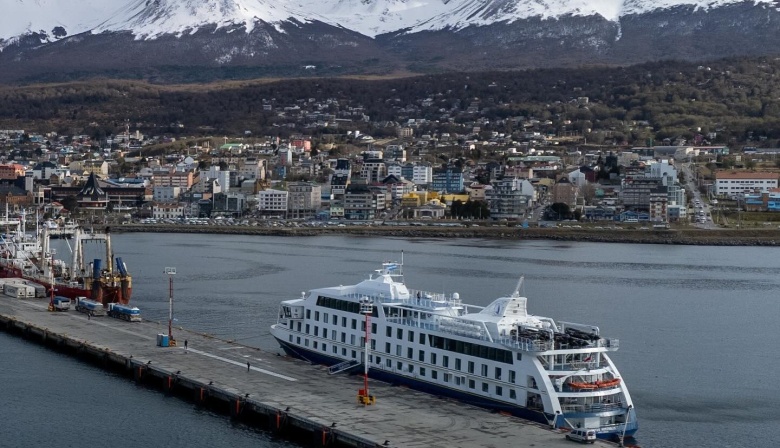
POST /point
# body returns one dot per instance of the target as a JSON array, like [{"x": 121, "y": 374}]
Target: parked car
[{"x": 582, "y": 435}]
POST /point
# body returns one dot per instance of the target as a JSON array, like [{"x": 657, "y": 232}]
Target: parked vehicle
[
  {"x": 124, "y": 312},
  {"x": 582, "y": 435},
  {"x": 84, "y": 305},
  {"x": 60, "y": 303}
]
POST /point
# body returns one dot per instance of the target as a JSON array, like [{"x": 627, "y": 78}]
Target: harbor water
[{"x": 697, "y": 326}]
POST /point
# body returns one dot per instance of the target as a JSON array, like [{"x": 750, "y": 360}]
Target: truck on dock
[
  {"x": 86, "y": 306},
  {"x": 128, "y": 313},
  {"x": 60, "y": 303}
]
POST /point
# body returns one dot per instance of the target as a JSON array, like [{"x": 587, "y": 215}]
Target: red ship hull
[{"x": 107, "y": 293}]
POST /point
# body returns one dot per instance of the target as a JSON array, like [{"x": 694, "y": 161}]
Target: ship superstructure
[{"x": 498, "y": 356}]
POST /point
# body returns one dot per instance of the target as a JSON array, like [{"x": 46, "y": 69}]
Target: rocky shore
[{"x": 688, "y": 236}]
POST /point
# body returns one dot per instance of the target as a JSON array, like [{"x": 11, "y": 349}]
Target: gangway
[{"x": 342, "y": 366}]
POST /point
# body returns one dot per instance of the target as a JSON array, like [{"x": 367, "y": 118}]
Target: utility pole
[
  {"x": 170, "y": 271},
  {"x": 366, "y": 308}
]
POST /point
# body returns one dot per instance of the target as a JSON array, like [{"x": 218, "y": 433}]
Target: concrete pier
[{"x": 293, "y": 398}]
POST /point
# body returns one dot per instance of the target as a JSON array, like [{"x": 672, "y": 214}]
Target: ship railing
[
  {"x": 526, "y": 344},
  {"x": 591, "y": 407},
  {"x": 575, "y": 366}
]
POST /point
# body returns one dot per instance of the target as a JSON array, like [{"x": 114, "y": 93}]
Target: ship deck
[{"x": 277, "y": 390}]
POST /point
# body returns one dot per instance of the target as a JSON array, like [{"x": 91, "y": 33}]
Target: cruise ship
[{"x": 499, "y": 356}]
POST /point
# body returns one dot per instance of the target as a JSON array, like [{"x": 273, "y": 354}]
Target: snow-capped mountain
[{"x": 437, "y": 34}]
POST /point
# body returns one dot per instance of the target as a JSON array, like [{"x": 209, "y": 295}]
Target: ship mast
[{"x": 366, "y": 308}]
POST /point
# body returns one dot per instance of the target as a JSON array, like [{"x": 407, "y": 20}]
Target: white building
[
  {"x": 272, "y": 201},
  {"x": 419, "y": 174},
  {"x": 168, "y": 211},
  {"x": 734, "y": 184},
  {"x": 222, "y": 176},
  {"x": 166, "y": 194}
]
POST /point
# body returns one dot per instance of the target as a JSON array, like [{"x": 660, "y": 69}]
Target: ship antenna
[{"x": 519, "y": 285}]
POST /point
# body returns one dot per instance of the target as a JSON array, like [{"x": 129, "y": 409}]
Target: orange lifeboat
[{"x": 596, "y": 385}]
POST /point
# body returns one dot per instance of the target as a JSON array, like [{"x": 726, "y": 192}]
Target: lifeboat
[{"x": 595, "y": 385}]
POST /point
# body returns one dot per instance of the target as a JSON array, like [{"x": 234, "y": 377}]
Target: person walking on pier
[
  {"x": 185, "y": 345},
  {"x": 247, "y": 366}
]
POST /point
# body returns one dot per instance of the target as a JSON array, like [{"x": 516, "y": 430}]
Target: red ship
[{"x": 30, "y": 257}]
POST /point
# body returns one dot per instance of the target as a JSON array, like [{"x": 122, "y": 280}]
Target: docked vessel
[
  {"x": 498, "y": 356},
  {"x": 30, "y": 257}
]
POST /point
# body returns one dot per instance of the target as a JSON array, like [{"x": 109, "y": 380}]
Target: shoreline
[{"x": 689, "y": 236}]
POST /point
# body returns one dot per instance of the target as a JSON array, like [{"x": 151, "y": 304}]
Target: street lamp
[{"x": 170, "y": 271}]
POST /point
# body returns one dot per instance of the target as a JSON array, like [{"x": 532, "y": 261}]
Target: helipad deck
[{"x": 273, "y": 391}]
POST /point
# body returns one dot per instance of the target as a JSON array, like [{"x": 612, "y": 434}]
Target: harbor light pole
[
  {"x": 170, "y": 271},
  {"x": 366, "y": 308}
]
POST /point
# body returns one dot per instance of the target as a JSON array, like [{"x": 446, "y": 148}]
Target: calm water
[{"x": 697, "y": 325}]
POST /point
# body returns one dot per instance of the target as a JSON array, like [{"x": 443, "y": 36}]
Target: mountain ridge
[{"x": 143, "y": 38}]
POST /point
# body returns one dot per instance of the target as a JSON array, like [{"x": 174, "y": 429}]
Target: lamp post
[{"x": 170, "y": 271}]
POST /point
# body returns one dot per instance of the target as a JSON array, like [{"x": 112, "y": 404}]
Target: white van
[{"x": 582, "y": 435}]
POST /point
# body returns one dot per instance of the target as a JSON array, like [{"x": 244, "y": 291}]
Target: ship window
[
  {"x": 335, "y": 350},
  {"x": 324, "y": 347},
  {"x": 306, "y": 342},
  {"x": 512, "y": 394},
  {"x": 434, "y": 374},
  {"x": 457, "y": 363},
  {"x": 378, "y": 360},
  {"x": 399, "y": 333},
  {"x": 325, "y": 318},
  {"x": 471, "y": 367},
  {"x": 324, "y": 332},
  {"x": 499, "y": 391},
  {"x": 422, "y": 338},
  {"x": 389, "y": 332},
  {"x": 290, "y": 338},
  {"x": 410, "y": 368},
  {"x": 352, "y": 339},
  {"x": 484, "y": 369},
  {"x": 498, "y": 373},
  {"x": 445, "y": 361},
  {"x": 299, "y": 326},
  {"x": 316, "y": 315},
  {"x": 519, "y": 356},
  {"x": 399, "y": 365},
  {"x": 373, "y": 328},
  {"x": 343, "y": 321},
  {"x": 512, "y": 376},
  {"x": 343, "y": 351},
  {"x": 387, "y": 347},
  {"x": 343, "y": 337},
  {"x": 421, "y": 356},
  {"x": 433, "y": 358},
  {"x": 307, "y": 328},
  {"x": 316, "y": 330},
  {"x": 308, "y": 314},
  {"x": 485, "y": 387},
  {"x": 298, "y": 340},
  {"x": 410, "y": 353},
  {"x": 354, "y": 324},
  {"x": 422, "y": 371},
  {"x": 373, "y": 344},
  {"x": 398, "y": 350},
  {"x": 411, "y": 336},
  {"x": 447, "y": 377},
  {"x": 472, "y": 384},
  {"x": 389, "y": 363},
  {"x": 354, "y": 354},
  {"x": 335, "y": 320},
  {"x": 315, "y": 344}
]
